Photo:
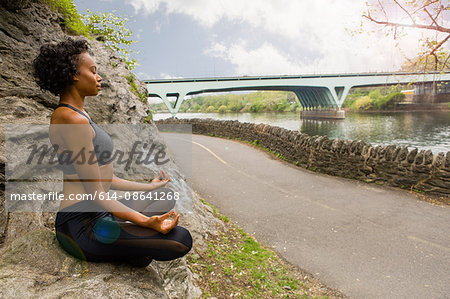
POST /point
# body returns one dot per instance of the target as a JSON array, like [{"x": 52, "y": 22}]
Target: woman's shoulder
[{"x": 64, "y": 115}]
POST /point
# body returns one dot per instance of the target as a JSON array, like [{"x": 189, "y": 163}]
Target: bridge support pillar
[{"x": 322, "y": 114}]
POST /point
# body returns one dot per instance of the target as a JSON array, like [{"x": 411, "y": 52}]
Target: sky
[{"x": 217, "y": 38}]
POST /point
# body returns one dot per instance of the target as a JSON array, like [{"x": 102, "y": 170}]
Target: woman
[{"x": 101, "y": 229}]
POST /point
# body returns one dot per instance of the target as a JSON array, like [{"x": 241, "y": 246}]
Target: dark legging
[{"x": 96, "y": 235}]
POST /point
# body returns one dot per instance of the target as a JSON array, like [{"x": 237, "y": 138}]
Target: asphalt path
[{"x": 365, "y": 240}]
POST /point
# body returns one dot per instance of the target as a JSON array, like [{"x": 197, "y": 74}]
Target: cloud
[
  {"x": 310, "y": 36},
  {"x": 168, "y": 76},
  {"x": 143, "y": 75},
  {"x": 263, "y": 60}
]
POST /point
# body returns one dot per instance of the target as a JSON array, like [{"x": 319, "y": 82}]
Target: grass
[
  {"x": 256, "y": 144},
  {"x": 236, "y": 265}
]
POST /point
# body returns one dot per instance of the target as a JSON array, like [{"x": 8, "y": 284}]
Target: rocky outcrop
[
  {"x": 31, "y": 262},
  {"x": 22, "y": 32},
  {"x": 388, "y": 165}
]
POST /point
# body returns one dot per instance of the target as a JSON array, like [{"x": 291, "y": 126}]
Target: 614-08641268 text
[
  {"x": 52, "y": 196},
  {"x": 145, "y": 196}
]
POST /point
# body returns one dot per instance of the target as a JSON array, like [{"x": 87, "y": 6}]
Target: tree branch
[
  {"x": 431, "y": 27},
  {"x": 440, "y": 44},
  {"x": 410, "y": 16},
  {"x": 432, "y": 2},
  {"x": 431, "y": 17},
  {"x": 445, "y": 63},
  {"x": 439, "y": 12},
  {"x": 382, "y": 8}
]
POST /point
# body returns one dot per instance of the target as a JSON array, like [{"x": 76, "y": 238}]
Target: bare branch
[
  {"x": 410, "y": 16},
  {"x": 431, "y": 17},
  {"x": 426, "y": 5},
  {"x": 435, "y": 61},
  {"x": 431, "y": 27},
  {"x": 441, "y": 8},
  {"x": 440, "y": 44},
  {"x": 382, "y": 8}
]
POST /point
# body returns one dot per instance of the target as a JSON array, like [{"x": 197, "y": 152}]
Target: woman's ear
[{"x": 75, "y": 77}]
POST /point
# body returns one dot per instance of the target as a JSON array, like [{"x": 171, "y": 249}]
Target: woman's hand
[
  {"x": 162, "y": 223},
  {"x": 161, "y": 180},
  {"x": 158, "y": 182}
]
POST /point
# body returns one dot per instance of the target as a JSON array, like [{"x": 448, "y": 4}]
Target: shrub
[
  {"x": 375, "y": 95},
  {"x": 210, "y": 109},
  {"x": 390, "y": 101},
  {"x": 222, "y": 109},
  {"x": 394, "y": 98},
  {"x": 362, "y": 104},
  {"x": 114, "y": 32},
  {"x": 73, "y": 22}
]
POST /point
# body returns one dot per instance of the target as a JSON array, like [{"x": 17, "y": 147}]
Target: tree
[
  {"x": 425, "y": 62},
  {"x": 421, "y": 14}
]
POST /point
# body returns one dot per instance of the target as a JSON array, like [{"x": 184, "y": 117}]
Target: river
[{"x": 422, "y": 130}]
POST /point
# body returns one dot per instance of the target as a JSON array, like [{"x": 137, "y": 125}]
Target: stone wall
[{"x": 387, "y": 165}]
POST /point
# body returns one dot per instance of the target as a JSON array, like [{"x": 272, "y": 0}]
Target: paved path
[{"x": 365, "y": 240}]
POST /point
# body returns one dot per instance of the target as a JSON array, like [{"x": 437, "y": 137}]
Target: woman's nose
[{"x": 99, "y": 79}]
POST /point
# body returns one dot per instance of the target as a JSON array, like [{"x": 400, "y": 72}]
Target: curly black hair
[{"x": 56, "y": 64}]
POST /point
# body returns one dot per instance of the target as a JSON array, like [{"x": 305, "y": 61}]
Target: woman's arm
[{"x": 160, "y": 181}]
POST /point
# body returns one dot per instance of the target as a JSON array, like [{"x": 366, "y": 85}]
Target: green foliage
[
  {"x": 353, "y": 96},
  {"x": 268, "y": 101},
  {"x": 252, "y": 270},
  {"x": 73, "y": 21},
  {"x": 390, "y": 101},
  {"x": 149, "y": 118},
  {"x": 373, "y": 92},
  {"x": 379, "y": 98},
  {"x": 362, "y": 104},
  {"x": 427, "y": 63},
  {"x": 134, "y": 89},
  {"x": 222, "y": 109},
  {"x": 257, "y": 106},
  {"x": 210, "y": 109},
  {"x": 375, "y": 95},
  {"x": 113, "y": 30}
]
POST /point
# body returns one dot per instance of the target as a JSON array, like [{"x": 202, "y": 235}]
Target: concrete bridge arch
[{"x": 326, "y": 92}]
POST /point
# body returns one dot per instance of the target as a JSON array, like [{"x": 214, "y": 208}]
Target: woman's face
[{"x": 87, "y": 81}]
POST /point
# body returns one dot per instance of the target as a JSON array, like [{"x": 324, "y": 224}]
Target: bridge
[{"x": 320, "y": 95}]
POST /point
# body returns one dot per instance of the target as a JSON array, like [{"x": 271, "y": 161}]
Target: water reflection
[{"x": 424, "y": 130}]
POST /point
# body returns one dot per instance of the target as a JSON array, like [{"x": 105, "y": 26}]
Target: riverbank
[
  {"x": 421, "y": 130},
  {"x": 405, "y": 108},
  {"x": 390, "y": 165}
]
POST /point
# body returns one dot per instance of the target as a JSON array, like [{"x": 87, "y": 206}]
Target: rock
[
  {"x": 411, "y": 156},
  {"x": 15, "y": 4},
  {"x": 403, "y": 153},
  {"x": 31, "y": 262},
  {"x": 447, "y": 160},
  {"x": 35, "y": 266}
]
